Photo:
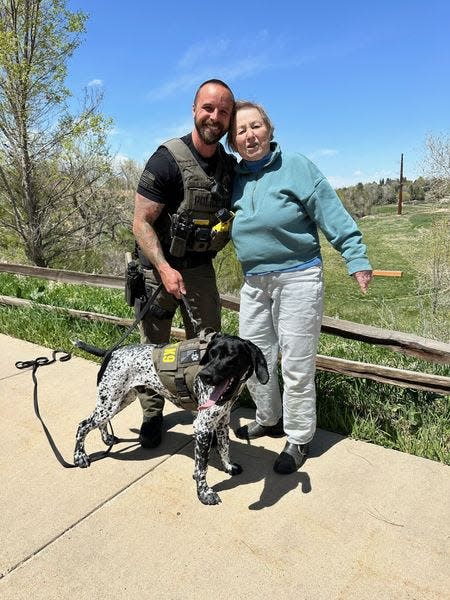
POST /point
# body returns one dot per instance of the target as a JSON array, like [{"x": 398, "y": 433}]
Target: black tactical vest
[{"x": 204, "y": 196}]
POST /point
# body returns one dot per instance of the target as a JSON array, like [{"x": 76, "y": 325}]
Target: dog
[{"x": 228, "y": 361}]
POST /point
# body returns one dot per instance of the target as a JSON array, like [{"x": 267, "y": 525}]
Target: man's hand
[
  {"x": 172, "y": 281},
  {"x": 363, "y": 278}
]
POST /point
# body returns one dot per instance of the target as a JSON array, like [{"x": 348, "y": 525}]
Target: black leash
[
  {"x": 139, "y": 317},
  {"x": 42, "y": 361},
  {"x": 195, "y": 323},
  {"x": 143, "y": 312}
]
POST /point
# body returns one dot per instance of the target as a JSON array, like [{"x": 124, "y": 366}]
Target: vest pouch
[
  {"x": 220, "y": 233},
  {"x": 219, "y": 240},
  {"x": 201, "y": 239},
  {"x": 134, "y": 283}
]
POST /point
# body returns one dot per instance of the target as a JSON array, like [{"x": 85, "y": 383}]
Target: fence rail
[{"x": 423, "y": 348}]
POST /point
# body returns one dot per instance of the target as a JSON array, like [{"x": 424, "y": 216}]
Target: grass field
[
  {"x": 394, "y": 243},
  {"x": 408, "y": 420}
]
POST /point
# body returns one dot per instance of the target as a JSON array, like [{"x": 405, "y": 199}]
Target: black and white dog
[{"x": 223, "y": 370}]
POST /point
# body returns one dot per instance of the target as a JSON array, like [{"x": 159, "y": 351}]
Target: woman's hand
[{"x": 363, "y": 278}]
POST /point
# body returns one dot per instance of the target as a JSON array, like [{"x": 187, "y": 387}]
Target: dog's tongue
[{"x": 215, "y": 395}]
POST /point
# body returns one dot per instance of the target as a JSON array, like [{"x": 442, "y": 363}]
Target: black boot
[
  {"x": 291, "y": 458},
  {"x": 150, "y": 433},
  {"x": 254, "y": 430}
]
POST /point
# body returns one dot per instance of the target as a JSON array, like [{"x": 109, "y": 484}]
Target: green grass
[
  {"x": 58, "y": 329},
  {"x": 407, "y": 420},
  {"x": 394, "y": 243}
]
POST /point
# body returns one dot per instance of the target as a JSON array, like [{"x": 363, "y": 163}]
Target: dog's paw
[
  {"x": 207, "y": 495},
  {"x": 232, "y": 468},
  {"x": 235, "y": 469},
  {"x": 81, "y": 460}
]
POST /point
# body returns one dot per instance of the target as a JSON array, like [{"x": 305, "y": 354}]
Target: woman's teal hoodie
[{"x": 278, "y": 211}]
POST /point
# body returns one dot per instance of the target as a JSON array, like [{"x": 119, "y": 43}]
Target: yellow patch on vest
[{"x": 170, "y": 353}]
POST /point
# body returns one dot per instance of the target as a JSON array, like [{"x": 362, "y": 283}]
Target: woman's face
[{"x": 251, "y": 135}]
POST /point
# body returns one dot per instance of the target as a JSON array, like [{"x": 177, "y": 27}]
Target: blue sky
[{"x": 350, "y": 84}]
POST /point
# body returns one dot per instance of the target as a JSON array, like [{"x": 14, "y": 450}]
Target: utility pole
[{"x": 400, "y": 190}]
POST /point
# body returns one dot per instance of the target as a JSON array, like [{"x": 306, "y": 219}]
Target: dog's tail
[{"x": 91, "y": 349}]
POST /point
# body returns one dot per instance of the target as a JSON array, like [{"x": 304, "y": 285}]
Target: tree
[
  {"x": 417, "y": 190},
  {"x": 54, "y": 164},
  {"x": 390, "y": 192},
  {"x": 433, "y": 280},
  {"x": 436, "y": 164}
]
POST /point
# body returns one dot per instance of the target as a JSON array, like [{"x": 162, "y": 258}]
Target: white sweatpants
[{"x": 282, "y": 312}]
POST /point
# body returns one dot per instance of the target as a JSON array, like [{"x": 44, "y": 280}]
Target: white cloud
[
  {"x": 186, "y": 81},
  {"x": 245, "y": 56},
  {"x": 359, "y": 176},
  {"x": 323, "y": 152},
  {"x": 228, "y": 60},
  {"x": 200, "y": 50},
  {"x": 95, "y": 83},
  {"x": 337, "y": 181},
  {"x": 118, "y": 160}
]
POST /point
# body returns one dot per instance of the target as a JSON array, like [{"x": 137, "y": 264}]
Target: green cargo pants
[{"x": 204, "y": 300}]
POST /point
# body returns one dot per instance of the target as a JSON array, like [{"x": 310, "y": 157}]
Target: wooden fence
[{"x": 423, "y": 348}]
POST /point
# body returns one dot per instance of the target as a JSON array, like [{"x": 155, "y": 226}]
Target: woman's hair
[{"x": 247, "y": 104}]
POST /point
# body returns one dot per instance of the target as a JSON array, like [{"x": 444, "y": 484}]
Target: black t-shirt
[{"x": 162, "y": 182}]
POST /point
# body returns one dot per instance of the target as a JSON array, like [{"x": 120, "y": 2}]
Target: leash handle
[{"x": 41, "y": 361}]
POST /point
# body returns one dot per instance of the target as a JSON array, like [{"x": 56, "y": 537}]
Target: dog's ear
[
  {"x": 207, "y": 357},
  {"x": 259, "y": 363}
]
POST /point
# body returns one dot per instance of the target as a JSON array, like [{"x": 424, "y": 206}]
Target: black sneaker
[
  {"x": 150, "y": 434},
  {"x": 291, "y": 458},
  {"x": 254, "y": 430}
]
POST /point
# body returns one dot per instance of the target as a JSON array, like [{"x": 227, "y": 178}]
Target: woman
[{"x": 280, "y": 202}]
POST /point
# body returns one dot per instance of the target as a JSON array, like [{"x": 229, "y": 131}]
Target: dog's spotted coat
[{"x": 227, "y": 364}]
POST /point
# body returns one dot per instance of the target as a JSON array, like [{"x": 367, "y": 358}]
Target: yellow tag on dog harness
[{"x": 170, "y": 353}]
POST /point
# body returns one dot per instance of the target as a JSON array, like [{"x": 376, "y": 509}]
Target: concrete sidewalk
[{"x": 357, "y": 522}]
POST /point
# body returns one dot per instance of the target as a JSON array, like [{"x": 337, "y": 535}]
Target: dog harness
[{"x": 177, "y": 366}]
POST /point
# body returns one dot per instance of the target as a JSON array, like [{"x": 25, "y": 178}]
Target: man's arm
[{"x": 145, "y": 214}]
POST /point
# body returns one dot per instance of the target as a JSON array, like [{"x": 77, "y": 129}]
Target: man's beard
[{"x": 206, "y": 134}]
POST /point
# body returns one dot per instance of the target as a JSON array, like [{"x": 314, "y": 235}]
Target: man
[{"x": 184, "y": 184}]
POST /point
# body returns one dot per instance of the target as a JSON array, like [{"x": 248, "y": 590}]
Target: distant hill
[{"x": 361, "y": 198}]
